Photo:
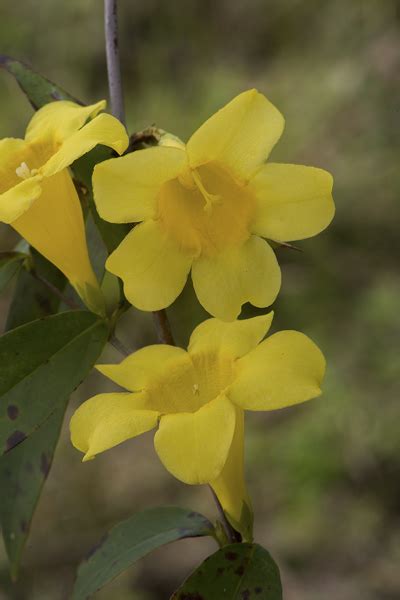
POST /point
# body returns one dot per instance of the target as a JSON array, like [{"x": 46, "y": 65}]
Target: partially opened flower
[
  {"x": 196, "y": 400},
  {"x": 206, "y": 206},
  {"x": 37, "y": 195}
]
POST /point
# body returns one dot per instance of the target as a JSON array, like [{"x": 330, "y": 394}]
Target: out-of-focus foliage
[{"x": 324, "y": 476}]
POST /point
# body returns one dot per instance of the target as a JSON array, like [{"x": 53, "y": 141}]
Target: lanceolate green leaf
[
  {"x": 10, "y": 263},
  {"x": 132, "y": 539},
  {"x": 236, "y": 572},
  {"x": 23, "y": 472},
  {"x": 41, "y": 363},
  {"x": 38, "y": 89}
]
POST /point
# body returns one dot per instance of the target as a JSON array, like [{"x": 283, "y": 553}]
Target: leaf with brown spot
[
  {"x": 235, "y": 572},
  {"x": 41, "y": 364},
  {"x": 23, "y": 476}
]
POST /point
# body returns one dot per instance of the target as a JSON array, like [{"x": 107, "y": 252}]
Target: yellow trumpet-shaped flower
[
  {"x": 37, "y": 195},
  {"x": 197, "y": 399},
  {"x": 206, "y": 206}
]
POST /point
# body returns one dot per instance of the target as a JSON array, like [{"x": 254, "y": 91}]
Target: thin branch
[
  {"x": 118, "y": 345},
  {"x": 114, "y": 341},
  {"x": 113, "y": 64},
  {"x": 233, "y": 535},
  {"x": 68, "y": 301},
  {"x": 163, "y": 327}
]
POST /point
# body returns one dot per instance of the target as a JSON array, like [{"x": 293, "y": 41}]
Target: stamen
[
  {"x": 210, "y": 199},
  {"x": 23, "y": 171}
]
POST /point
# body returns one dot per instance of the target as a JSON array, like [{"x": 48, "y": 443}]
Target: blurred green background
[{"x": 324, "y": 476}]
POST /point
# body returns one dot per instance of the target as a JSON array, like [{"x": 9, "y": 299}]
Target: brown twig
[
  {"x": 68, "y": 301},
  {"x": 113, "y": 63},
  {"x": 163, "y": 327}
]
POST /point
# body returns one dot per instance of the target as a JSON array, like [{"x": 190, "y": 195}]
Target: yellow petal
[
  {"x": 104, "y": 129},
  {"x": 58, "y": 120},
  {"x": 54, "y": 226},
  {"x": 285, "y": 369},
  {"x": 125, "y": 189},
  {"x": 249, "y": 273},
  {"x": 230, "y": 486},
  {"x": 107, "y": 420},
  {"x": 293, "y": 201},
  {"x": 12, "y": 154},
  {"x": 194, "y": 446},
  {"x": 241, "y": 135},
  {"x": 153, "y": 268},
  {"x": 236, "y": 338},
  {"x": 137, "y": 370},
  {"x": 18, "y": 199}
]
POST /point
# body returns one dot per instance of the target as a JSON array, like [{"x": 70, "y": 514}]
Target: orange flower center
[{"x": 205, "y": 210}]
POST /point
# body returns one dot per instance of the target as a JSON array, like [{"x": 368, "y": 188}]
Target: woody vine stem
[{"x": 117, "y": 108}]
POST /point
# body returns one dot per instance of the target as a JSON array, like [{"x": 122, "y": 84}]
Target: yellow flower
[
  {"x": 206, "y": 206},
  {"x": 197, "y": 400},
  {"x": 37, "y": 195}
]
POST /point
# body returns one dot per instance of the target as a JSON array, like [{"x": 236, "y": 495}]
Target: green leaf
[
  {"x": 10, "y": 264},
  {"x": 32, "y": 299},
  {"x": 38, "y": 89},
  {"x": 23, "y": 472},
  {"x": 235, "y": 572},
  {"x": 41, "y": 364},
  {"x": 132, "y": 539}
]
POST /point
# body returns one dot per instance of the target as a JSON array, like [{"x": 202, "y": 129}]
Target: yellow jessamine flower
[
  {"x": 37, "y": 195},
  {"x": 206, "y": 206},
  {"x": 197, "y": 400}
]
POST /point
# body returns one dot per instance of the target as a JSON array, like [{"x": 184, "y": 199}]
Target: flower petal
[
  {"x": 286, "y": 368},
  {"x": 137, "y": 370},
  {"x": 104, "y": 129},
  {"x": 54, "y": 226},
  {"x": 194, "y": 446},
  {"x": 12, "y": 153},
  {"x": 58, "y": 120},
  {"x": 18, "y": 199},
  {"x": 107, "y": 420},
  {"x": 241, "y": 135},
  {"x": 236, "y": 338},
  {"x": 153, "y": 268},
  {"x": 249, "y": 273},
  {"x": 230, "y": 486},
  {"x": 125, "y": 189},
  {"x": 294, "y": 202}
]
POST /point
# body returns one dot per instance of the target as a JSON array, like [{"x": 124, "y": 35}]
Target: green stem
[{"x": 231, "y": 533}]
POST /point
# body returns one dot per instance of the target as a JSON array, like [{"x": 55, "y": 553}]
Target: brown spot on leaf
[
  {"x": 245, "y": 594},
  {"x": 96, "y": 546},
  {"x": 220, "y": 570},
  {"x": 239, "y": 570},
  {"x": 24, "y": 526},
  {"x": 231, "y": 555},
  {"x": 44, "y": 464},
  {"x": 12, "y": 412},
  {"x": 15, "y": 438},
  {"x": 258, "y": 590}
]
